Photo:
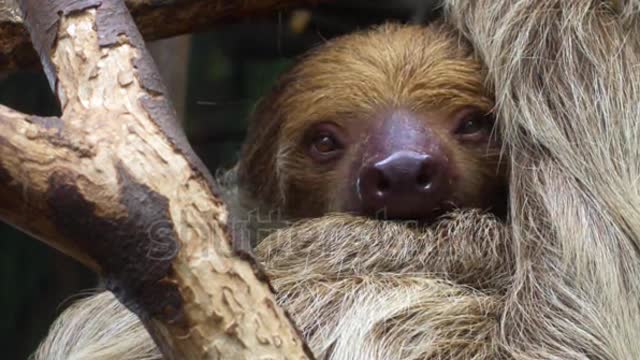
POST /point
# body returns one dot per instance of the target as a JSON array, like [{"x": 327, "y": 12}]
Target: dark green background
[{"x": 229, "y": 69}]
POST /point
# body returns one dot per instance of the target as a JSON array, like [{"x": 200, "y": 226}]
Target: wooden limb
[
  {"x": 21, "y": 176},
  {"x": 114, "y": 183},
  {"x": 156, "y": 19}
]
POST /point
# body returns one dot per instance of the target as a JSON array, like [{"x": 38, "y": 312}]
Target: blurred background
[{"x": 214, "y": 80}]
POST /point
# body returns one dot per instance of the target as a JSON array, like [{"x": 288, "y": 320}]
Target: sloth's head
[{"x": 392, "y": 122}]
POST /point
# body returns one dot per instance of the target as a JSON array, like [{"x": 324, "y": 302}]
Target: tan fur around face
[
  {"x": 356, "y": 79},
  {"x": 364, "y": 73}
]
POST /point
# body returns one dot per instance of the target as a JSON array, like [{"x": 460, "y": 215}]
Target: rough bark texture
[
  {"x": 114, "y": 183},
  {"x": 156, "y": 19}
]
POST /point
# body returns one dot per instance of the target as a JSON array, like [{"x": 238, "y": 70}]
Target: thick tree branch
[
  {"x": 156, "y": 19},
  {"x": 114, "y": 183}
]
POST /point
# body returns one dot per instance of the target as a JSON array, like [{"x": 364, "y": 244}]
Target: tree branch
[
  {"x": 156, "y": 19},
  {"x": 114, "y": 183},
  {"x": 27, "y": 145}
]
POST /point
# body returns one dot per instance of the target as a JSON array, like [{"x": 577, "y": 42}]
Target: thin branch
[{"x": 156, "y": 19}]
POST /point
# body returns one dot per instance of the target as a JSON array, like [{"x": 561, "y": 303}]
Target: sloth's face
[{"x": 391, "y": 123}]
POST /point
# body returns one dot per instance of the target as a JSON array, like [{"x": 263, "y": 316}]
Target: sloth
[{"x": 393, "y": 123}]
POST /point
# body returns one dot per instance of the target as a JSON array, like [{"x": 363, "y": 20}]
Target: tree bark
[
  {"x": 113, "y": 183},
  {"x": 156, "y": 19}
]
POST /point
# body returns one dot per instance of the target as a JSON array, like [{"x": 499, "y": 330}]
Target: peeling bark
[
  {"x": 114, "y": 183},
  {"x": 156, "y": 19}
]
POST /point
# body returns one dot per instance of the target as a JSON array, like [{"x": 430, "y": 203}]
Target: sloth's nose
[{"x": 404, "y": 185}]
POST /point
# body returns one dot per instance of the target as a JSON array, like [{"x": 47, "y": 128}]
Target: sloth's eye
[
  {"x": 323, "y": 142},
  {"x": 470, "y": 126},
  {"x": 474, "y": 125}
]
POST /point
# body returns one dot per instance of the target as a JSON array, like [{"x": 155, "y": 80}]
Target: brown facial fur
[{"x": 357, "y": 83}]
